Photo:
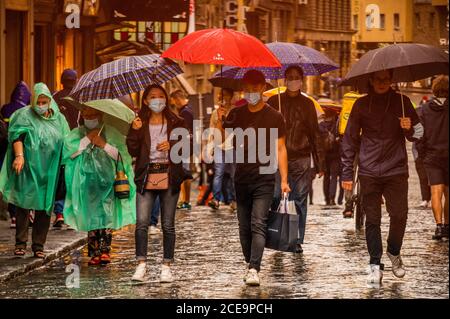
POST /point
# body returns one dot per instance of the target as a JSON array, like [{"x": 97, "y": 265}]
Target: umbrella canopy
[
  {"x": 222, "y": 47},
  {"x": 116, "y": 113},
  {"x": 124, "y": 76},
  {"x": 311, "y": 61},
  {"x": 408, "y": 61},
  {"x": 223, "y": 82}
]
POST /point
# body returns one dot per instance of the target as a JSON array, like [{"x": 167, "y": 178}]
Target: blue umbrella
[{"x": 289, "y": 54}]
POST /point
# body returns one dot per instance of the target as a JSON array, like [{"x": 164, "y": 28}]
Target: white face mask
[
  {"x": 294, "y": 86},
  {"x": 157, "y": 105},
  {"x": 252, "y": 98},
  {"x": 91, "y": 124},
  {"x": 41, "y": 110}
]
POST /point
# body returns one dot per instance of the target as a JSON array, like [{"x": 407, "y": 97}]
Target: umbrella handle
[
  {"x": 99, "y": 132},
  {"x": 403, "y": 103},
  {"x": 279, "y": 96}
]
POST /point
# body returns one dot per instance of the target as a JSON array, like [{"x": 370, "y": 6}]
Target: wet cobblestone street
[{"x": 209, "y": 262}]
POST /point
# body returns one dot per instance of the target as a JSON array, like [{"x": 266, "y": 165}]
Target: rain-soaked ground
[{"x": 209, "y": 263}]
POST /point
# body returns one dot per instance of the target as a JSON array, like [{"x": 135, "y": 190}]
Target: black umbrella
[
  {"x": 226, "y": 83},
  {"x": 408, "y": 61}
]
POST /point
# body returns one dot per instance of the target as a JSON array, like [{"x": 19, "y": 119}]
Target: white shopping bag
[{"x": 287, "y": 206}]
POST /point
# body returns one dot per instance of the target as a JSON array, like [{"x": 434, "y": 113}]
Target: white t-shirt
[{"x": 158, "y": 134}]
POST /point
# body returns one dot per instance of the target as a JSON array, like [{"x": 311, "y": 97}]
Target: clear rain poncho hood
[{"x": 35, "y": 186}]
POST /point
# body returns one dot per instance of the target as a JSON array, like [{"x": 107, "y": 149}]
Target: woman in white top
[{"x": 155, "y": 175}]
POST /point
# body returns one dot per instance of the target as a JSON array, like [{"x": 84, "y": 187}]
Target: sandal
[
  {"x": 39, "y": 254},
  {"x": 19, "y": 252}
]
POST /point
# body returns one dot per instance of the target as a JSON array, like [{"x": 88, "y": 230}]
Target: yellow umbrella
[{"x": 282, "y": 89}]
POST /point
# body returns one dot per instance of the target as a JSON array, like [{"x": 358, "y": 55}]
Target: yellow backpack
[{"x": 347, "y": 104}]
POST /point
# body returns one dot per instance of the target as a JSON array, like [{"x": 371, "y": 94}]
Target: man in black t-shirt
[{"x": 256, "y": 165}]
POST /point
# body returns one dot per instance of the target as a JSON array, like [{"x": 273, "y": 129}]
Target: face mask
[
  {"x": 91, "y": 124},
  {"x": 41, "y": 110},
  {"x": 252, "y": 98},
  {"x": 157, "y": 105},
  {"x": 294, "y": 86}
]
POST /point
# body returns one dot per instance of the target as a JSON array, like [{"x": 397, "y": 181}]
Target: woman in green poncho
[
  {"x": 90, "y": 156},
  {"x": 30, "y": 171}
]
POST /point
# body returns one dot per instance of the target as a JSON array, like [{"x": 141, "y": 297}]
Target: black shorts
[{"x": 437, "y": 175}]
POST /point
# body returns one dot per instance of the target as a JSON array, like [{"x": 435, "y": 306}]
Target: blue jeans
[
  {"x": 299, "y": 180},
  {"x": 59, "y": 206},
  {"x": 155, "y": 212},
  {"x": 220, "y": 168},
  {"x": 144, "y": 206}
]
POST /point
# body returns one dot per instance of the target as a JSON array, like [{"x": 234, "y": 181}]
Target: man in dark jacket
[
  {"x": 377, "y": 128},
  {"x": 181, "y": 103},
  {"x": 328, "y": 128},
  {"x": 433, "y": 148},
  {"x": 302, "y": 141},
  {"x": 68, "y": 81}
]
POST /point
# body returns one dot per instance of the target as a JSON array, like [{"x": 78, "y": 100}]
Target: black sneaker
[
  {"x": 298, "y": 249},
  {"x": 439, "y": 232},
  {"x": 214, "y": 204},
  {"x": 445, "y": 234},
  {"x": 332, "y": 202}
]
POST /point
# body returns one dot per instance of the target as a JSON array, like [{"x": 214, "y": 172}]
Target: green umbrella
[{"x": 115, "y": 113}]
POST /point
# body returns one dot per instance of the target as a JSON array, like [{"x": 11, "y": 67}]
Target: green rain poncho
[
  {"x": 90, "y": 201},
  {"x": 35, "y": 186}
]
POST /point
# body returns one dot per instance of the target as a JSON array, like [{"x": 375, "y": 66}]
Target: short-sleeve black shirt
[{"x": 266, "y": 119}]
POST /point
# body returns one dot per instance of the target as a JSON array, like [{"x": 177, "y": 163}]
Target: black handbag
[{"x": 282, "y": 231}]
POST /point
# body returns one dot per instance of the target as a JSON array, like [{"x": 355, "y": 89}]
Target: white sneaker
[
  {"x": 166, "y": 274},
  {"x": 397, "y": 265},
  {"x": 423, "y": 204},
  {"x": 139, "y": 274},
  {"x": 153, "y": 230},
  {"x": 252, "y": 278},
  {"x": 375, "y": 275},
  {"x": 246, "y": 272}
]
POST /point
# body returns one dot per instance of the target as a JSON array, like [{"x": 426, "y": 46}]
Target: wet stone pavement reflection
[{"x": 209, "y": 262}]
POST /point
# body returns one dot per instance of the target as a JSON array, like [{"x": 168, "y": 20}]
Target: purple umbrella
[{"x": 289, "y": 54}]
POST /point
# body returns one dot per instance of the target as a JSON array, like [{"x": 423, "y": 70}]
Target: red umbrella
[{"x": 223, "y": 47}]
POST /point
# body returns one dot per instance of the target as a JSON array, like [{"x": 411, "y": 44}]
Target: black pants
[
  {"x": 425, "y": 189},
  {"x": 41, "y": 225},
  {"x": 330, "y": 179},
  {"x": 253, "y": 204},
  {"x": 395, "y": 191}
]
